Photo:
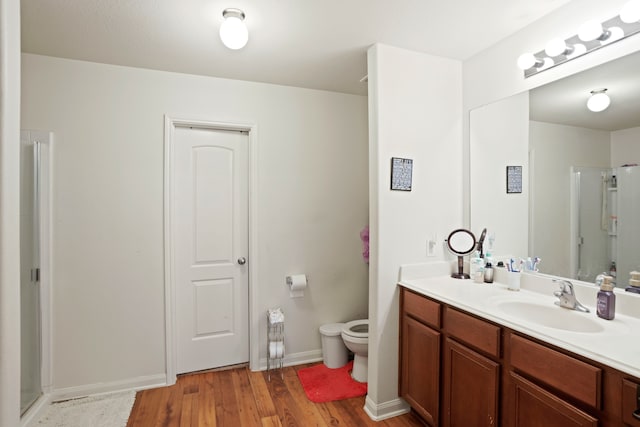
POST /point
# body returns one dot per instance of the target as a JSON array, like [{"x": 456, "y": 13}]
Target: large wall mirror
[{"x": 579, "y": 209}]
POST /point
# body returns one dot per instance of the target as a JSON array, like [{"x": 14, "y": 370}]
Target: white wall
[
  {"x": 561, "y": 147},
  {"x": 499, "y": 135},
  {"x": 108, "y": 284},
  {"x": 9, "y": 212},
  {"x": 492, "y": 74},
  {"x": 414, "y": 112},
  {"x": 625, "y": 147}
]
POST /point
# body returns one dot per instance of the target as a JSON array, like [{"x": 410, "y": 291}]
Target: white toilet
[{"x": 355, "y": 335}]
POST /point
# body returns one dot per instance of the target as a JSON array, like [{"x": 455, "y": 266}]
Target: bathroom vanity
[{"x": 475, "y": 355}]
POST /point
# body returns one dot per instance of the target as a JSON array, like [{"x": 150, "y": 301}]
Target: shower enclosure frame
[{"x": 43, "y": 154}]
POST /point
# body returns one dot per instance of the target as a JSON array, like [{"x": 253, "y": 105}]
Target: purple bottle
[{"x": 606, "y": 306}]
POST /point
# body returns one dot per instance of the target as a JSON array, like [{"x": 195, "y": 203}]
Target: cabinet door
[
  {"x": 631, "y": 403},
  {"x": 420, "y": 367},
  {"x": 470, "y": 387},
  {"x": 533, "y": 406}
]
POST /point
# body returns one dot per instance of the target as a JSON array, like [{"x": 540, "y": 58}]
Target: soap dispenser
[{"x": 606, "y": 305}]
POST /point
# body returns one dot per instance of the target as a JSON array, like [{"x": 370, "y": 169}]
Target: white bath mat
[{"x": 107, "y": 410}]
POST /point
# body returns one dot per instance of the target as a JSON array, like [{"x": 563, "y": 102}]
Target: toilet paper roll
[
  {"x": 276, "y": 349},
  {"x": 297, "y": 284}
]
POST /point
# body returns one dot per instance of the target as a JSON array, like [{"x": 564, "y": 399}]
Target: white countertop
[{"x": 615, "y": 343}]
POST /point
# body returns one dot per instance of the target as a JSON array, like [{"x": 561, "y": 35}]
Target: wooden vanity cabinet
[
  {"x": 631, "y": 403},
  {"x": 471, "y": 386},
  {"x": 461, "y": 370},
  {"x": 420, "y": 355},
  {"x": 432, "y": 355},
  {"x": 470, "y": 370},
  {"x": 533, "y": 406}
]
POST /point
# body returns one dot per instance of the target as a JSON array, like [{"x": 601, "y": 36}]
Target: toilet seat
[
  {"x": 355, "y": 335},
  {"x": 357, "y": 328}
]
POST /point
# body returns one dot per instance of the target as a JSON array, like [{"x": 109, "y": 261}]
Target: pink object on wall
[{"x": 364, "y": 235}]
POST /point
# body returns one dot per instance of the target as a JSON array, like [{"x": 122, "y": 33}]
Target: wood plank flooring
[{"x": 241, "y": 398}]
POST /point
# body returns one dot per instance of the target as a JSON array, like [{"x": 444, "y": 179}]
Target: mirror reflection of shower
[{"x": 605, "y": 236}]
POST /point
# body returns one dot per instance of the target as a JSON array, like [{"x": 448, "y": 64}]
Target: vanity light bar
[{"x": 588, "y": 39}]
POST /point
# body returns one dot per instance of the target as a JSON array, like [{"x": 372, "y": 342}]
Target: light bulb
[
  {"x": 557, "y": 47},
  {"x": 630, "y": 12},
  {"x": 233, "y": 31},
  {"x": 592, "y": 30},
  {"x": 599, "y": 101},
  {"x": 529, "y": 60}
]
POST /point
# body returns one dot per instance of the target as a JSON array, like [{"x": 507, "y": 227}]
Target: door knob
[{"x": 242, "y": 260}]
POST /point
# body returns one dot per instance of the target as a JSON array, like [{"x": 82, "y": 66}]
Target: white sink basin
[{"x": 550, "y": 316}]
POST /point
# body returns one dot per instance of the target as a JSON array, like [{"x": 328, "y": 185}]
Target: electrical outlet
[{"x": 431, "y": 245}]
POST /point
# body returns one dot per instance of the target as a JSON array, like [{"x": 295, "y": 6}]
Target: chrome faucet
[{"x": 567, "y": 296}]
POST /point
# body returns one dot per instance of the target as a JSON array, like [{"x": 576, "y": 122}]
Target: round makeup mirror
[{"x": 461, "y": 242}]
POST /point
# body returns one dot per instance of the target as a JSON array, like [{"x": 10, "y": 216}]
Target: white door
[{"x": 210, "y": 235}]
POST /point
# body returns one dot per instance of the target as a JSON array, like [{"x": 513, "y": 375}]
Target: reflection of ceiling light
[
  {"x": 233, "y": 31},
  {"x": 528, "y": 60},
  {"x": 598, "y": 101},
  {"x": 557, "y": 47},
  {"x": 630, "y": 12},
  {"x": 592, "y": 30}
]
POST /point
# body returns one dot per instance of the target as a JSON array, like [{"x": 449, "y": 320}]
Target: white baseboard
[
  {"x": 37, "y": 410},
  {"x": 138, "y": 383},
  {"x": 296, "y": 359},
  {"x": 382, "y": 411}
]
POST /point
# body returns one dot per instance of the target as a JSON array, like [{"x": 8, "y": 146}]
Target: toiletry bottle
[
  {"x": 606, "y": 306},
  {"x": 634, "y": 282},
  {"x": 477, "y": 268},
  {"x": 488, "y": 273}
]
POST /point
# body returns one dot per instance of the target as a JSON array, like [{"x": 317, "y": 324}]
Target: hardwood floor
[{"x": 241, "y": 398}]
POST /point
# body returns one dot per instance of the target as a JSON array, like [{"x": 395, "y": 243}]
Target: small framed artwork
[
  {"x": 514, "y": 179},
  {"x": 401, "y": 170}
]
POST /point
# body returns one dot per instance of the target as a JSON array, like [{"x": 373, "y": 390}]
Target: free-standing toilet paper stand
[{"x": 275, "y": 341}]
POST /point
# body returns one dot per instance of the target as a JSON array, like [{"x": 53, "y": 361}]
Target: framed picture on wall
[
  {"x": 514, "y": 179},
  {"x": 401, "y": 170}
]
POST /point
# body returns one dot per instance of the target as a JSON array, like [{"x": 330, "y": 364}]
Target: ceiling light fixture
[
  {"x": 233, "y": 31},
  {"x": 598, "y": 101},
  {"x": 591, "y": 35}
]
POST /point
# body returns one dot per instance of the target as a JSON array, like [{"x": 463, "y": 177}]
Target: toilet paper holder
[{"x": 297, "y": 284}]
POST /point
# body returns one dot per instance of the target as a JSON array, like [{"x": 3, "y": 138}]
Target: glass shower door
[
  {"x": 30, "y": 375},
  {"x": 590, "y": 250},
  {"x": 628, "y": 226}
]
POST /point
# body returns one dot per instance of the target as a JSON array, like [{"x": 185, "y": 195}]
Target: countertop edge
[{"x": 519, "y": 327}]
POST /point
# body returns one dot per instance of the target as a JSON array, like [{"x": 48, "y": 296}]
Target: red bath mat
[{"x": 322, "y": 384}]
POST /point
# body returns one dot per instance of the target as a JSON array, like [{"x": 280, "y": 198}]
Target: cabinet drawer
[
  {"x": 421, "y": 308},
  {"x": 480, "y": 334},
  {"x": 564, "y": 373},
  {"x": 630, "y": 403}
]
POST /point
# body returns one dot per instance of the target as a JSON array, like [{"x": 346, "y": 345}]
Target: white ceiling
[
  {"x": 565, "y": 101},
  {"x": 318, "y": 44}
]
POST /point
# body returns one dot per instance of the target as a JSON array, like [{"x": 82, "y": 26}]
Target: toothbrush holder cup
[{"x": 513, "y": 280}]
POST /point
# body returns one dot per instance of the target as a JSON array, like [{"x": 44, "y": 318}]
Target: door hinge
[{"x": 35, "y": 275}]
